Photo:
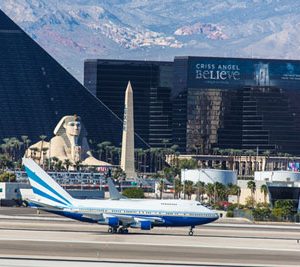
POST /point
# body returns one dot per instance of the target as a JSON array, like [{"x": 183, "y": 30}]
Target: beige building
[{"x": 246, "y": 193}]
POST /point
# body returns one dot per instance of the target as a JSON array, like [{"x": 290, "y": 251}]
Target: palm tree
[
  {"x": 264, "y": 190},
  {"x": 111, "y": 150},
  {"x": 140, "y": 153},
  {"x": 173, "y": 151},
  {"x": 14, "y": 146},
  {"x": 200, "y": 190},
  {"x": 235, "y": 190},
  {"x": 161, "y": 187},
  {"x": 118, "y": 152},
  {"x": 252, "y": 186},
  {"x": 24, "y": 139},
  {"x": 210, "y": 191},
  {"x": 177, "y": 188},
  {"x": 100, "y": 150},
  {"x": 153, "y": 159},
  {"x": 188, "y": 188},
  {"x": 105, "y": 145},
  {"x": 77, "y": 165},
  {"x": 67, "y": 163},
  {"x": 220, "y": 191},
  {"x": 43, "y": 152},
  {"x": 5, "y": 162}
]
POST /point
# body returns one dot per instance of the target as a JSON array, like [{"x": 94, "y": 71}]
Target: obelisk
[{"x": 127, "y": 153}]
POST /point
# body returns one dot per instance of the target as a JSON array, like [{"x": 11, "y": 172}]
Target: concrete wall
[
  {"x": 209, "y": 176},
  {"x": 277, "y": 176},
  {"x": 12, "y": 190}
]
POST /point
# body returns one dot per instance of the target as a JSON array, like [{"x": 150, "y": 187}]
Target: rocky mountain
[{"x": 74, "y": 30}]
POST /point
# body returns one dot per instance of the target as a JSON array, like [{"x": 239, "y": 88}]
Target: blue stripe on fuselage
[{"x": 38, "y": 180}]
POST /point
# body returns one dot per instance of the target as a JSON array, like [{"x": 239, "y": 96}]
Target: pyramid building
[{"x": 36, "y": 92}]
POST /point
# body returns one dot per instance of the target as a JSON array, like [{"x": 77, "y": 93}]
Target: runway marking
[
  {"x": 129, "y": 262},
  {"x": 155, "y": 234},
  {"x": 147, "y": 244}
]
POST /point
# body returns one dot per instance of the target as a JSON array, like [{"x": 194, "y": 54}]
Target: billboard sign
[{"x": 205, "y": 72}]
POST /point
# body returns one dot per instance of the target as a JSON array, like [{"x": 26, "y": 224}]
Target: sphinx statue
[{"x": 70, "y": 143}]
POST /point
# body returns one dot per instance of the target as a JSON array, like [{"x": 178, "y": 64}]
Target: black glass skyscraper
[
  {"x": 36, "y": 92},
  {"x": 236, "y": 103},
  {"x": 151, "y": 82}
]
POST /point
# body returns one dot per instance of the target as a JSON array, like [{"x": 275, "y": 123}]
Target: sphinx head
[
  {"x": 69, "y": 125},
  {"x": 72, "y": 127}
]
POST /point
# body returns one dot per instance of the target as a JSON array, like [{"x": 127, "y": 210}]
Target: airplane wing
[{"x": 131, "y": 221}]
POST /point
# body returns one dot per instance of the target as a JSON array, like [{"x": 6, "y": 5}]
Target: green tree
[
  {"x": 286, "y": 206},
  {"x": 188, "y": 164},
  {"x": 221, "y": 192},
  {"x": 200, "y": 187},
  {"x": 188, "y": 188},
  {"x": 177, "y": 188},
  {"x": 262, "y": 213},
  {"x": 7, "y": 177},
  {"x": 118, "y": 174},
  {"x": 133, "y": 192},
  {"x": 103, "y": 147},
  {"x": 210, "y": 191},
  {"x": 235, "y": 190},
  {"x": 5, "y": 162}
]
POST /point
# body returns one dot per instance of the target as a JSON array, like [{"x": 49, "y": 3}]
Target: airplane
[{"x": 118, "y": 212}]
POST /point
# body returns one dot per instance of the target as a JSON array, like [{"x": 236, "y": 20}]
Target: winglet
[{"x": 113, "y": 191}]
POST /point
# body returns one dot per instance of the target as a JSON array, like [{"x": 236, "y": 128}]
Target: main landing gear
[
  {"x": 119, "y": 230},
  {"x": 191, "y": 232}
]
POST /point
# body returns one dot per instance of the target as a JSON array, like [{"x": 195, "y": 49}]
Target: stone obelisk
[{"x": 127, "y": 154}]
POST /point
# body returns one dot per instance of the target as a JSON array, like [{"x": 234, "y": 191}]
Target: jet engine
[
  {"x": 146, "y": 225},
  {"x": 112, "y": 221},
  {"x": 142, "y": 224}
]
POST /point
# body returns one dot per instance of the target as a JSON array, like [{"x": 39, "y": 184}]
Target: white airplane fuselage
[
  {"x": 117, "y": 214},
  {"x": 171, "y": 212}
]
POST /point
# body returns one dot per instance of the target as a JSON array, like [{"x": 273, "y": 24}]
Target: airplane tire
[
  {"x": 109, "y": 230},
  {"x": 191, "y": 233}
]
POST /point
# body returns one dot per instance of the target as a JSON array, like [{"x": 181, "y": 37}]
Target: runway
[{"x": 38, "y": 242}]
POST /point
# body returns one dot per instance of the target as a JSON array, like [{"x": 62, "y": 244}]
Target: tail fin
[
  {"x": 45, "y": 189},
  {"x": 113, "y": 191}
]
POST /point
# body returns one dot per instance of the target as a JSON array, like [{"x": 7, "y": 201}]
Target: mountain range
[{"x": 75, "y": 30}]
